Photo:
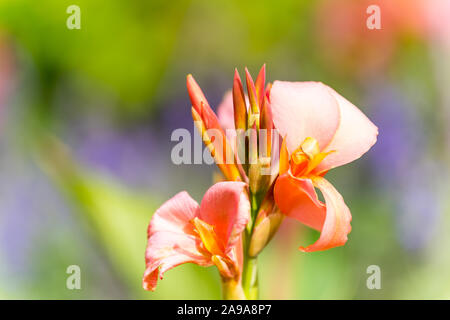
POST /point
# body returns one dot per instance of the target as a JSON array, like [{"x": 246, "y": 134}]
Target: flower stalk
[
  {"x": 232, "y": 290},
  {"x": 250, "y": 263},
  {"x": 250, "y": 278}
]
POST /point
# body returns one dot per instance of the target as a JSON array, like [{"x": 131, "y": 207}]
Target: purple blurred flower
[
  {"x": 16, "y": 230},
  {"x": 28, "y": 203},
  {"x": 400, "y": 133},
  {"x": 418, "y": 207},
  {"x": 134, "y": 157},
  {"x": 398, "y": 164}
]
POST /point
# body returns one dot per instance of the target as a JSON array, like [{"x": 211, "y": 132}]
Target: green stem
[
  {"x": 250, "y": 278},
  {"x": 232, "y": 290},
  {"x": 250, "y": 267}
]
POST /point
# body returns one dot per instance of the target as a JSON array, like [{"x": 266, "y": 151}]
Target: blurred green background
[{"x": 86, "y": 117}]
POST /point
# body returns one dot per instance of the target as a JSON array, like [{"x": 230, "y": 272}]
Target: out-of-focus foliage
[
  {"x": 111, "y": 93},
  {"x": 122, "y": 48}
]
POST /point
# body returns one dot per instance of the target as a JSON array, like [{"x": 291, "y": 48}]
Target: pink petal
[
  {"x": 225, "y": 114},
  {"x": 355, "y": 135},
  {"x": 226, "y": 207},
  {"x": 166, "y": 250},
  {"x": 296, "y": 198},
  {"x": 337, "y": 221},
  {"x": 304, "y": 109},
  {"x": 175, "y": 215},
  {"x": 225, "y": 111}
]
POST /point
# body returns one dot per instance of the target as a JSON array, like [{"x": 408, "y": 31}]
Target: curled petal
[
  {"x": 226, "y": 207},
  {"x": 304, "y": 109},
  {"x": 337, "y": 222},
  {"x": 296, "y": 198},
  {"x": 355, "y": 135},
  {"x": 166, "y": 250},
  {"x": 174, "y": 215}
]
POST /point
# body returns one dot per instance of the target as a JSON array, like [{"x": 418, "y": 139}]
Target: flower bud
[
  {"x": 239, "y": 105},
  {"x": 264, "y": 232}
]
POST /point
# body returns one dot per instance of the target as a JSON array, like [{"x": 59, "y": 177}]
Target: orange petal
[
  {"x": 201, "y": 105},
  {"x": 296, "y": 198},
  {"x": 266, "y": 123},
  {"x": 221, "y": 150},
  {"x": 284, "y": 158},
  {"x": 195, "y": 93},
  {"x": 251, "y": 93},
  {"x": 337, "y": 222},
  {"x": 259, "y": 85},
  {"x": 239, "y": 103},
  {"x": 208, "y": 236}
]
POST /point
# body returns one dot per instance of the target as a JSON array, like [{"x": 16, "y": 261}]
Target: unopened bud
[{"x": 264, "y": 232}]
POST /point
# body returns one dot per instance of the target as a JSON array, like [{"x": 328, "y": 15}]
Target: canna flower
[
  {"x": 181, "y": 231},
  {"x": 321, "y": 130},
  {"x": 238, "y": 217}
]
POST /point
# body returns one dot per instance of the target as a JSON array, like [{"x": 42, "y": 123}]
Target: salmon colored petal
[
  {"x": 226, "y": 207},
  {"x": 225, "y": 111},
  {"x": 296, "y": 198},
  {"x": 195, "y": 94},
  {"x": 166, "y": 250},
  {"x": 355, "y": 135},
  {"x": 337, "y": 222},
  {"x": 304, "y": 109},
  {"x": 201, "y": 105},
  {"x": 238, "y": 253},
  {"x": 175, "y": 215}
]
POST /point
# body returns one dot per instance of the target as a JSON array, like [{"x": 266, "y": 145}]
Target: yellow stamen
[
  {"x": 307, "y": 157},
  {"x": 207, "y": 235},
  {"x": 310, "y": 147}
]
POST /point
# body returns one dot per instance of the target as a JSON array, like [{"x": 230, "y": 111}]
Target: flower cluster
[{"x": 317, "y": 129}]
